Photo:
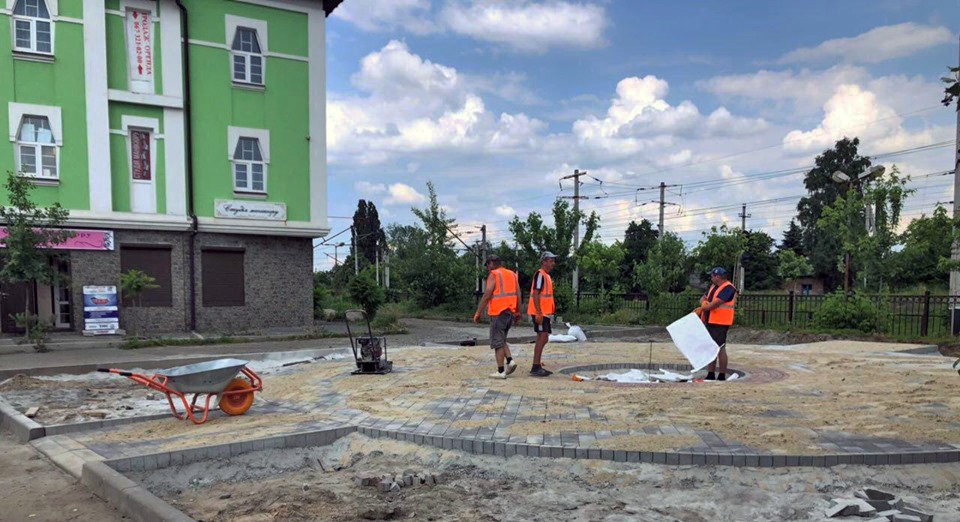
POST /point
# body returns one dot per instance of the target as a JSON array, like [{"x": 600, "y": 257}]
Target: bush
[
  {"x": 364, "y": 291},
  {"x": 563, "y": 298},
  {"x": 321, "y": 296},
  {"x": 388, "y": 320},
  {"x": 622, "y": 316},
  {"x": 850, "y": 312}
]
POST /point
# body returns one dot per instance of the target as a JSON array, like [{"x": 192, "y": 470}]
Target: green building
[{"x": 187, "y": 140}]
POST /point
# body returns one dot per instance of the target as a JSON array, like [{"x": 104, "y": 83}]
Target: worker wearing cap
[
  {"x": 501, "y": 298},
  {"x": 541, "y": 308},
  {"x": 717, "y": 310}
]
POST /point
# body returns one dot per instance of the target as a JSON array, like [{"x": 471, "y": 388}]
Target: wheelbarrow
[{"x": 213, "y": 378}]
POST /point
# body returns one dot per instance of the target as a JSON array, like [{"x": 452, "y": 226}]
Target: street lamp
[{"x": 842, "y": 177}]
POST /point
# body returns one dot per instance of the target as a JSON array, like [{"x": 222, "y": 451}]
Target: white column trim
[
  {"x": 98, "y": 120},
  {"x": 317, "y": 81},
  {"x": 175, "y": 157},
  {"x": 156, "y": 100}
]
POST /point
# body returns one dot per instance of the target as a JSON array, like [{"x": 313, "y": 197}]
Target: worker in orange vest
[
  {"x": 501, "y": 298},
  {"x": 717, "y": 310},
  {"x": 541, "y": 308}
]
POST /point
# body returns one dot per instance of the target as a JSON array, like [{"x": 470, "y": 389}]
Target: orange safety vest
[
  {"x": 546, "y": 295},
  {"x": 505, "y": 292},
  {"x": 723, "y": 314}
]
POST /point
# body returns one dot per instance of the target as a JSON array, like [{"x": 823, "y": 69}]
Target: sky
[{"x": 726, "y": 102}]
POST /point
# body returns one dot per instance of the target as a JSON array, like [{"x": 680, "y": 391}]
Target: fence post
[
  {"x": 925, "y": 320},
  {"x": 790, "y": 308},
  {"x": 578, "y": 299}
]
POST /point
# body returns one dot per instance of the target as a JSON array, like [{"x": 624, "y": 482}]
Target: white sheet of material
[
  {"x": 668, "y": 376},
  {"x": 632, "y": 377},
  {"x": 561, "y": 338},
  {"x": 690, "y": 335}
]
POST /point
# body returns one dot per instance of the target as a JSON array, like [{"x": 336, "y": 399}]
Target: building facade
[{"x": 187, "y": 140}]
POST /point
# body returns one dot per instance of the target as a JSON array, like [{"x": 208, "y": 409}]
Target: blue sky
[{"x": 494, "y": 100}]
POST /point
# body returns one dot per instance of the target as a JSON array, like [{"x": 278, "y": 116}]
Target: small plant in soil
[{"x": 134, "y": 283}]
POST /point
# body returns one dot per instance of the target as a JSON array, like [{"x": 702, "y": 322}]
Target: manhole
[{"x": 591, "y": 370}]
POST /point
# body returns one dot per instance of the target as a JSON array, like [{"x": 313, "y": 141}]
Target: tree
[
  {"x": 823, "y": 245},
  {"x": 721, "y": 247},
  {"x": 952, "y": 90},
  {"x": 601, "y": 263},
  {"x": 433, "y": 272},
  {"x": 926, "y": 242},
  {"x": 791, "y": 267},
  {"x": 759, "y": 263},
  {"x": 369, "y": 234},
  {"x": 133, "y": 283},
  {"x": 533, "y": 237},
  {"x": 31, "y": 232},
  {"x": 882, "y": 201},
  {"x": 364, "y": 291},
  {"x": 664, "y": 269},
  {"x": 638, "y": 239},
  {"x": 792, "y": 239}
]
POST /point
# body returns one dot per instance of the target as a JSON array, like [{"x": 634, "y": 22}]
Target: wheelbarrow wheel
[{"x": 236, "y": 403}]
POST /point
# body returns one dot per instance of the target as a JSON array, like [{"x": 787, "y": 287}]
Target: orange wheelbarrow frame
[{"x": 159, "y": 383}]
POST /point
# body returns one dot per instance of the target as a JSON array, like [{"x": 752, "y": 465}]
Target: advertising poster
[{"x": 101, "y": 310}]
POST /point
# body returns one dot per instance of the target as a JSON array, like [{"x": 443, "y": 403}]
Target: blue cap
[{"x": 718, "y": 271}]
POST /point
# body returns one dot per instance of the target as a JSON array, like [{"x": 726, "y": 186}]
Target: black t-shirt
[{"x": 726, "y": 295}]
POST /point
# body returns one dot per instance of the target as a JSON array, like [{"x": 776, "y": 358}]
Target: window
[
  {"x": 249, "y": 169},
  {"x": 247, "y": 57},
  {"x": 155, "y": 262},
  {"x": 36, "y": 148},
  {"x": 32, "y": 27},
  {"x": 222, "y": 281},
  {"x": 806, "y": 289}
]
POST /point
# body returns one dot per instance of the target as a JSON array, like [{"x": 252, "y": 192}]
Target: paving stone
[
  {"x": 888, "y": 514},
  {"x": 905, "y": 518},
  {"x": 909, "y": 509}
]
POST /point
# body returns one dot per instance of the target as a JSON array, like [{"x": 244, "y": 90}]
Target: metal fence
[{"x": 900, "y": 315}]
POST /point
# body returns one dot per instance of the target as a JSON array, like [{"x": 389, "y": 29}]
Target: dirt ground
[
  {"x": 33, "y": 488},
  {"x": 319, "y": 484}
]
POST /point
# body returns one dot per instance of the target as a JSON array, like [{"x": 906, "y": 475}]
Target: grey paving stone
[
  {"x": 659, "y": 457},
  {"x": 633, "y": 456},
  {"x": 593, "y": 453},
  {"x": 753, "y": 461},
  {"x": 606, "y": 454},
  {"x": 739, "y": 460},
  {"x": 712, "y": 459},
  {"x": 533, "y": 451},
  {"x": 582, "y": 453}
]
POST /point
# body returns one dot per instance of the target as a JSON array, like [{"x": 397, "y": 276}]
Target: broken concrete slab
[
  {"x": 876, "y": 494},
  {"x": 912, "y": 510},
  {"x": 889, "y": 513},
  {"x": 905, "y": 518},
  {"x": 842, "y": 508}
]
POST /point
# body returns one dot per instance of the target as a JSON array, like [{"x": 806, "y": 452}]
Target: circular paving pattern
[{"x": 590, "y": 370}]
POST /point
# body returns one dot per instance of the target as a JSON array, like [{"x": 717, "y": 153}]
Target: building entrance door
[{"x": 13, "y": 300}]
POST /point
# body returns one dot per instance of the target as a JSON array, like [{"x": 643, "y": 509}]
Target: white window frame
[
  {"x": 233, "y": 138},
  {"x": 52, "y": 9},
  {"x": 16, "y": 112},
  {"x": 233, "y": 23}
]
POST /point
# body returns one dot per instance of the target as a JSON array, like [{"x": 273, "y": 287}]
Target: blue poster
[{"x": 101, "y": 310}]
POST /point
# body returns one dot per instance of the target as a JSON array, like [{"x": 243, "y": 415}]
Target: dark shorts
[
  {"x": 499, "y": 326},
  {"x": 718, "y": 333},
  {"x": 546, "y": 327}
]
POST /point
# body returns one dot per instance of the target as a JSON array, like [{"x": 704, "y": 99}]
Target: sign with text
[
  {"x": 250, "y": 210},
  {"x": 81, "y": 240},
  {"x": 140, "y": 50},
  {"x": 101, "y": 310},
  {"x": 140, "y": 155}
]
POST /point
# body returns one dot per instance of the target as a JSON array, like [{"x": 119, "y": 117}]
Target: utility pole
[
  {"x": 483, "y": 255},
  {"x": 477, "y": 264},
  {"x": 576, "y": 229},
  {"x": 386, "y": 269},
  {"x": 955, "y": 252},
  {"x": 377, "y": 259},
  {"x": 743, "y": 218},
  {"x": 356, "y": 262},
  {"x": 335, "y": 256},
  {"x": 663, "y": 190}
]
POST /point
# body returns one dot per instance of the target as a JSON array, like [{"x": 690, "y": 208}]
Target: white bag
[
  {"x": 577, "y": 332},
  {"x": 694, "y": 341}
]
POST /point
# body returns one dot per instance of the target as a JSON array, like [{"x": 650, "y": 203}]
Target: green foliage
[
  {"x": 664, "y": 270},
  {"x": 926, "y": 243},
  {"x": 850, "y": 312},
  {"x": 365, "y": 292},
  {"x": 533, "y": 237},
  {"x": 791, "y": 266},
  {"x": 387, "y": 321},
  {"x": 792, "y": 239},
  {"x": 31, "y": 230},
  {"x": 638, "y": 240},
  {"x": 600, "y": 263},
  {"x": 563, "y": 297},
  {"x": 370, "y": 237},
  {"x": 719, "y": 247},
  {"x": 133, "y": 283},
  {"x": 759, "y": 263},
  {"x": 37, "y": 331}
]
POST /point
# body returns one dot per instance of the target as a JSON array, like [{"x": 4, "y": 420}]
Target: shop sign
[
  {"x": 81, "y": 240},
  {"x": 250, "y": 210}
]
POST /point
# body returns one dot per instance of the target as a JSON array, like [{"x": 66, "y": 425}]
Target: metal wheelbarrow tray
[{"x": 213, "y": 378}]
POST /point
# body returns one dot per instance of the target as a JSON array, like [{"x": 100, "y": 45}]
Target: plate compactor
[{"x": 370, "y": 352}]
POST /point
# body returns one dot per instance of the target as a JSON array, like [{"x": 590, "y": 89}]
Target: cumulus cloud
[
  {"x": 401, "y": 193},
  {"x": 377, "y": 15},
  {"x": 640, "y": 118},
  {"x": 414, "y": 105},
  {"x": 505, "y": 211},
  {"x": 874, "y": 46},
  {"x": 853, "y": 111},
  {"x": 528, "y": 26}
]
